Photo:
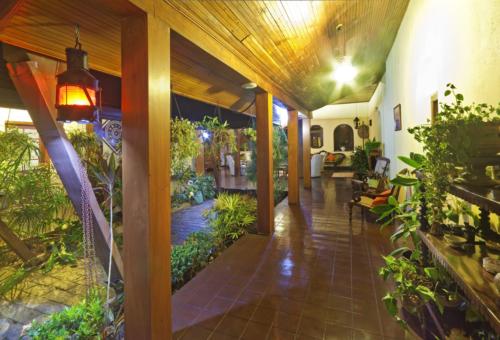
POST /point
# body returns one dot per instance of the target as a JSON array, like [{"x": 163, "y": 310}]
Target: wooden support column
[
  {"x": 293, "y": 157},
  {"x": 15, "y": 243},
  {"x": 199, "y": 161},
  {"x": 265, "y": 193},
  {"x": 146, "y": 176},
  {"x": 306, "y": 152},
  {"x": 237, "y": 158}
]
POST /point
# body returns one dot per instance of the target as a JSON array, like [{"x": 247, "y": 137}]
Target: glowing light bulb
[{"x": 344, "y": 72}]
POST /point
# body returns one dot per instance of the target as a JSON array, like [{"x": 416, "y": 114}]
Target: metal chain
[
  {"x": 88, "y": 232},
  {"x": 78, "y": 44}
]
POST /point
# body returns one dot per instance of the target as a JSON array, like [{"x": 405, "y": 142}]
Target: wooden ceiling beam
[
  {"x": 218, "y": 49},
  {"x": 8, "y": 9}
]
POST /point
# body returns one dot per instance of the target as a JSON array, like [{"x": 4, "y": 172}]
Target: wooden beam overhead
[{"x": 146, "y": 177}]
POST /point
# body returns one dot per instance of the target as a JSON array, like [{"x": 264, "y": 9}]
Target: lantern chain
[
  {"x": 88, "y": 232},
  {"x": 78, "y": 44}
]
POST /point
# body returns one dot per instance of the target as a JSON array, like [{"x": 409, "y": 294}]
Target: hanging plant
[
  {"x": 219, "y": 137},
  {"x": 183, "y": 145}
]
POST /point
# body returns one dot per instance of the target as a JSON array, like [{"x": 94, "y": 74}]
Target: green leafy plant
[
  {"x": 87, "y": 145},
  {"x": 359, "y": 161},
  {"x": 183, "y": 145},
  {"x": 371, "y": 145},
  {"x": 196, "y": 190},
  {"x": 449, "y": 147},
  {"x": 31, "y": 195},
  {"x": 219, "y": 137},
  {"x": 412, "y": 288},
  {"x": 190, "y": 257},
  {"x": 82, "y": 321},
  {"x": 230, "y": 217},
  {"x": 280, "y": 157}
]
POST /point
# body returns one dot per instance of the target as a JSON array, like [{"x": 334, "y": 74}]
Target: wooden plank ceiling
[{"x": 294, "y": 43}]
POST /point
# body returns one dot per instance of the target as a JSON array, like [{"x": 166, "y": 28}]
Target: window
[
  {"x": 316, "y": 137},
  {"x": 343, "y": 138},
  {"x": 29, "y": 129}
]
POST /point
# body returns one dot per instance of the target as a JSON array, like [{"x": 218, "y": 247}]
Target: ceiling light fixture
[
  {"x": 249, "y": 86},
  {"x": 343, "y": 71}
]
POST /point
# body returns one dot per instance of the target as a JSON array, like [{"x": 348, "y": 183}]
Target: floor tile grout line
[{"x": 374, "y": 291}]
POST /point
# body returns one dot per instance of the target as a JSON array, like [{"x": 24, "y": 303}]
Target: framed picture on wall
[{"x": 397, "y": 117}]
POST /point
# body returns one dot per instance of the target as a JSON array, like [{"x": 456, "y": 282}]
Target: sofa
[{"x": 332, "y": 160}]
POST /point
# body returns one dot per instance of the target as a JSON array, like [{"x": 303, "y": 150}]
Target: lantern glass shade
[
  {"x": 77, "y": 92},
  {"x": 75, "y": 95}
]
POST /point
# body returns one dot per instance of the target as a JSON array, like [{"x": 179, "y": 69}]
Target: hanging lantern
[
  {"x": 356, "y": 122},
  {"x": 77, "y": 92}
]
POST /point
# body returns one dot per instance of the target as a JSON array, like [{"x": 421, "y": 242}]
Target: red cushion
[
  {"x": 384, "y": 193},
  {"x": 330, "y": 158},
  {"x": 379, "y": 200}
]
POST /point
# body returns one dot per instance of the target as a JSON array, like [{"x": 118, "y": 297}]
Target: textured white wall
[{"x": 439, "y": 41}]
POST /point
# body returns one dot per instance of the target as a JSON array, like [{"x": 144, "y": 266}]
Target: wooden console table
[{"x": 466, "y": 269}]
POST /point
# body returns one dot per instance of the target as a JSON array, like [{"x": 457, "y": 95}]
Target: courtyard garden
[{"x": 44, "y": 244}]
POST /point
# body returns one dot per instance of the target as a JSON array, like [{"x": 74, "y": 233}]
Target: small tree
[
  {"x": 219, "y": 136},
  {"x": 183, "y": 145}
]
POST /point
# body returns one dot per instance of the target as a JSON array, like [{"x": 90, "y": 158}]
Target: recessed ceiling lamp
[
  {"x": 77, "y": 92},
  {"x": 343, "y": 72},
  {"x": 249, "y": 86}
]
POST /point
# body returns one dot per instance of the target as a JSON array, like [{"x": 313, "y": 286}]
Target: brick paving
[{"x": 188, "y": 220}]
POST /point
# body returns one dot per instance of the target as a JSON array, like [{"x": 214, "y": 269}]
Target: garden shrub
[
  {"x": 32, "y": 196},
  {"x": 230, "y": 217},
  {"x": 190, "y": 257},
  {"x": 196, "y": 190},
  {"x": 82, "y": 321}
]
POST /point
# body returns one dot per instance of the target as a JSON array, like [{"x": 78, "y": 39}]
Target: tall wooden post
[
  {"x": 237, "y": 158},
  {"x": 306, "y": 144},
  {"x": 146, "y": 176},
  {"x": 199, "y": 161},
  {"x": 265, "y": 196},
  {"x": 293, "y": 157}
]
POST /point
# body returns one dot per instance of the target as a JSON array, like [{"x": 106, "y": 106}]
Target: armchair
[{"x": 366, "y": 198}]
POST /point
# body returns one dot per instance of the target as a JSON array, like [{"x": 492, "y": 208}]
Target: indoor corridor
[{"x": 315, "y": 278}]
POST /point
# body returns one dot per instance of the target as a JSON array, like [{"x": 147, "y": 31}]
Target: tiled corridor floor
[{"x": 315, "y": 278}]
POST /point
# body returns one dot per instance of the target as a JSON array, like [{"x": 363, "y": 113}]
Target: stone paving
[
  {"x": 40, "y": 295},
  {"x": 189, "y": 220}
]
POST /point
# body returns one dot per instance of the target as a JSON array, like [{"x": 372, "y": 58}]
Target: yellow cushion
[{"x": 366, "y": 201}]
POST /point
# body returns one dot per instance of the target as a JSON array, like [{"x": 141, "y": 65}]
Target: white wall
[
  {"x": 13, "y": 115},
  {"x": 438, "y": 42},
  {"x": 328, "y": 126}
]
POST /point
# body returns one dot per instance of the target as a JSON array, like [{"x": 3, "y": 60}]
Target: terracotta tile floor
[{"x": 315, "y": 278}]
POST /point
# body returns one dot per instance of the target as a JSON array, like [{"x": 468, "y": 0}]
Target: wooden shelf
[
  {"x": 467, "y": 271},
  {"x": 486, "y": 198}
]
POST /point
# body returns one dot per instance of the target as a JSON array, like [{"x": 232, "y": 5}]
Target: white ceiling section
[{"x": 341, "y": 111}]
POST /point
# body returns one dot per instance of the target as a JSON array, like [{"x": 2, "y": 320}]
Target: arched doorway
[{"x": 343, "y": 138}]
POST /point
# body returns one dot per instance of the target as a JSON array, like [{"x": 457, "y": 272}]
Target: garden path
[
  {"x": 314, "y": 278},
  {"x": 189, "y": 220},
  {"x": 40, "y": 295}
]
